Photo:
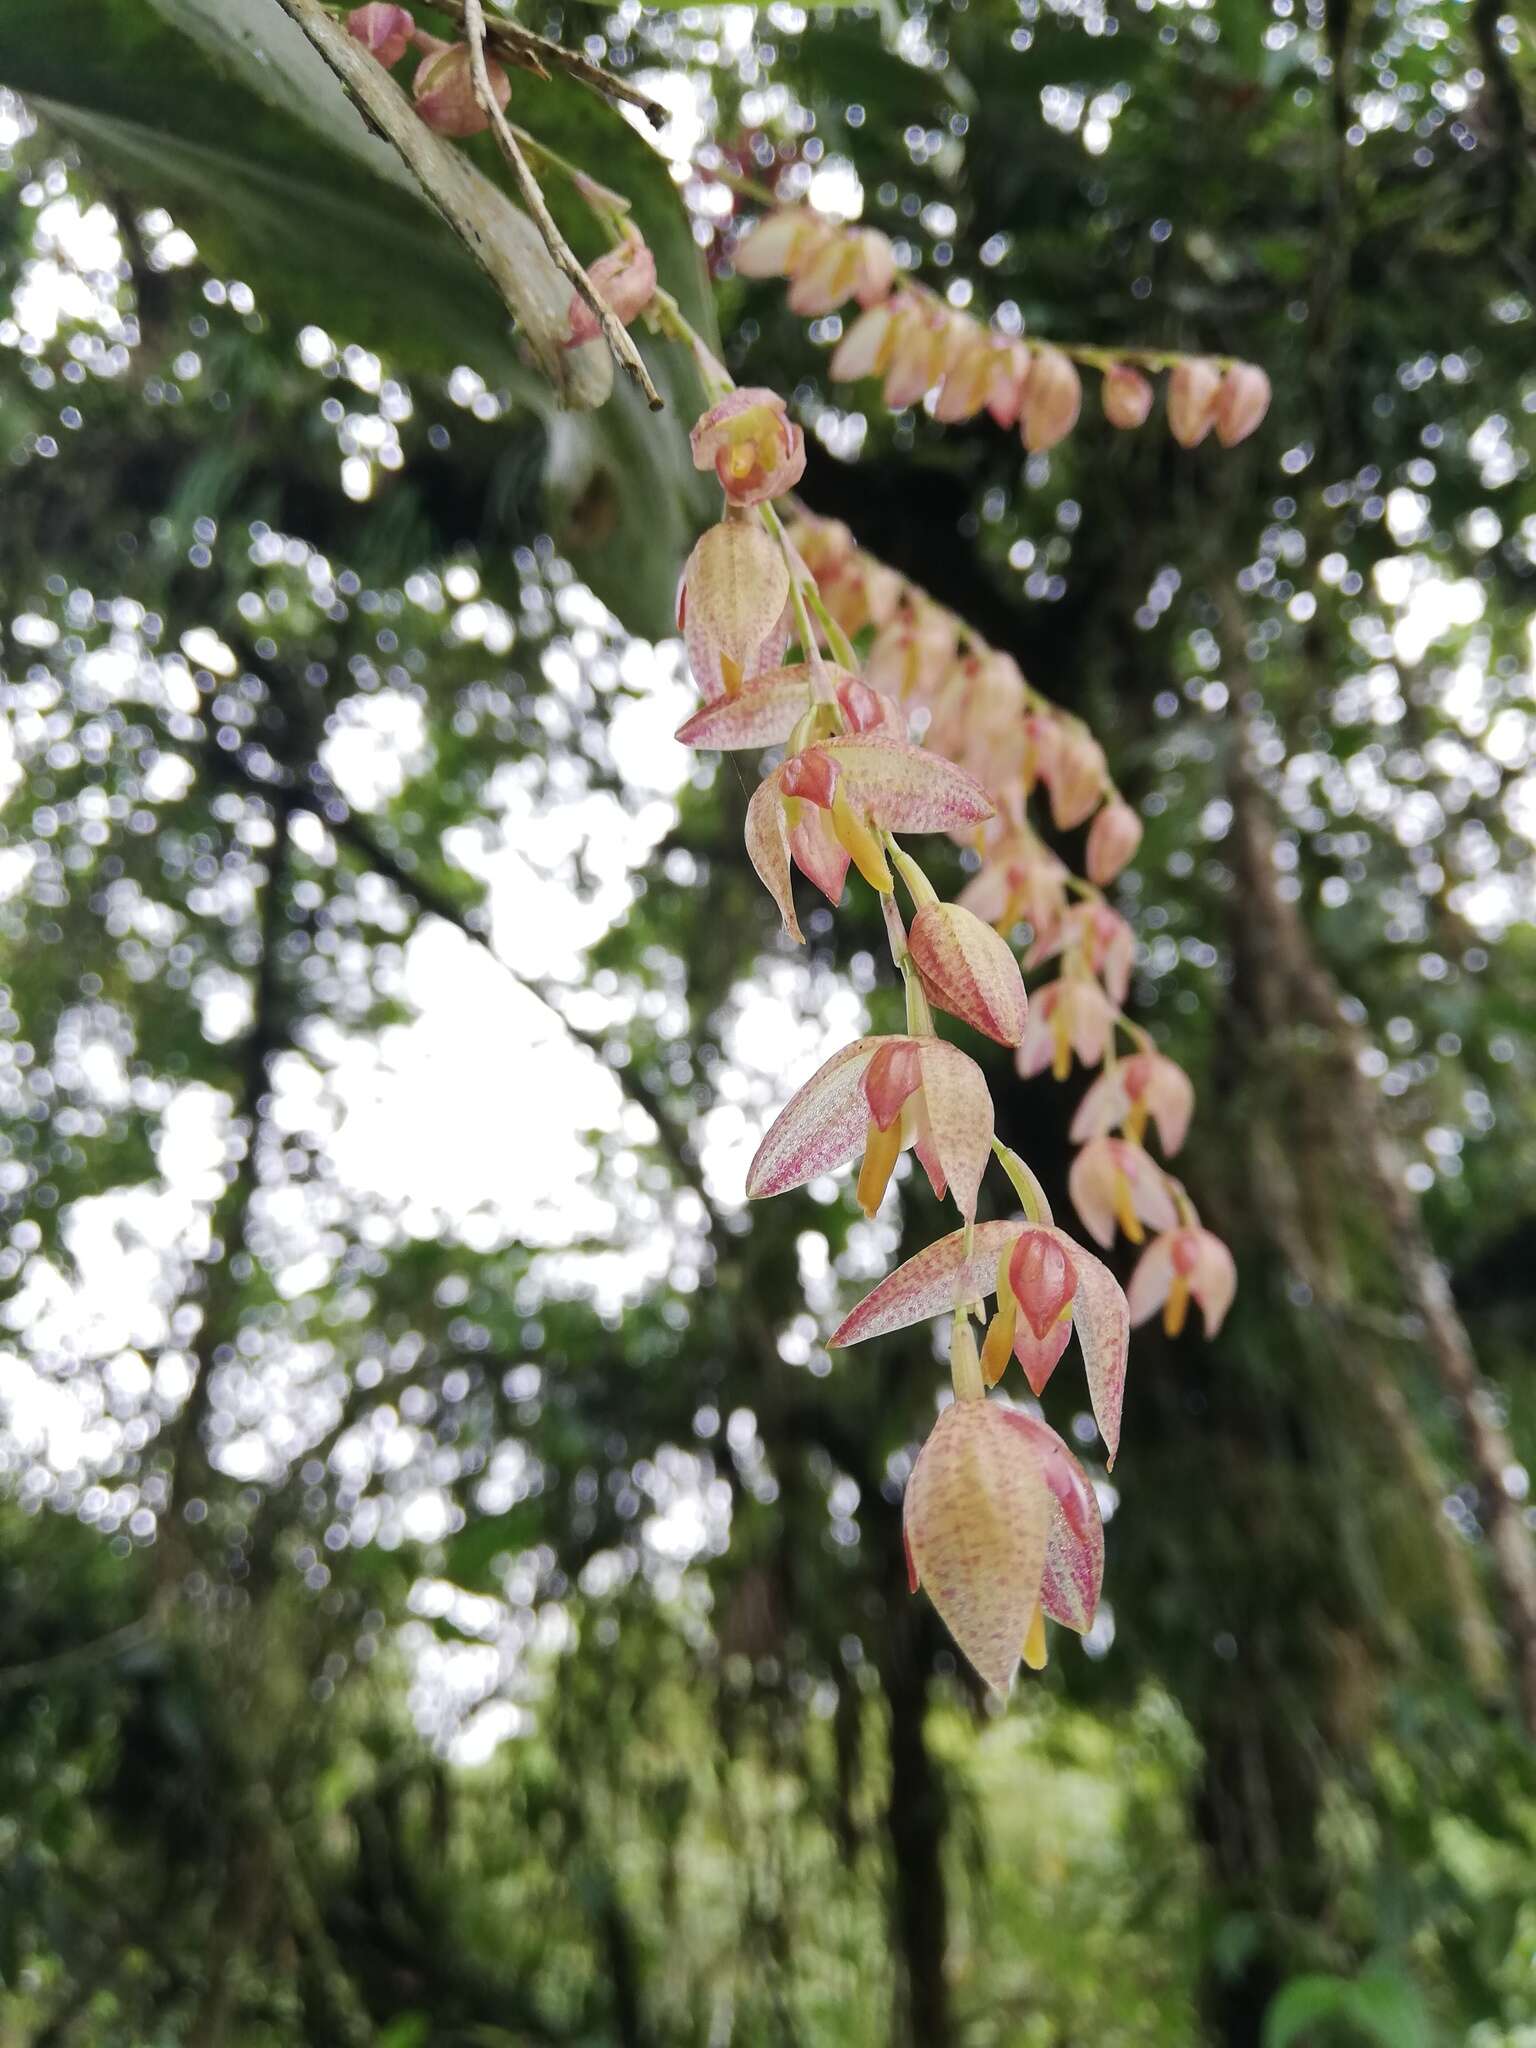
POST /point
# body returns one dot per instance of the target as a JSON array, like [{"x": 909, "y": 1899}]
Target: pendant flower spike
[
  {"x": 1001, "y": 1526},
  {"x": 829, "y": 803},
  {"x": 878, "y": 1096},
  {"x": 946, "y": 1275}
]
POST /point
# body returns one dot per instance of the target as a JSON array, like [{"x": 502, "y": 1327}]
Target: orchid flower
[
  {"x": 752, "y": 445},
  {"x": 967, "y": 1265},
  {"x": 444, "y": 88},
  {"x": 733, "y": 605},
  {"x": 383, "y": 30},
  {"x": 624, "y": 279},
  {"x": 1053, "y": 398},
  {"x": 1183, "y": 1263},
  {"x": 1000, "y": 1523},
  {"x": 1067, "y": 1016},
  {"x": 1098, "y": 940},
  {"x": 830, "y": 802},
  {"x": 1146, "y": 1084},
  {"x": 1115, "y": 1182},
  {"x": 880, "y": 1095}
]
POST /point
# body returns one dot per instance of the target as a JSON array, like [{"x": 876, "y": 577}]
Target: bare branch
[
  {"x": 539, "y": 55},
  {"x": 615, "y": 333}
]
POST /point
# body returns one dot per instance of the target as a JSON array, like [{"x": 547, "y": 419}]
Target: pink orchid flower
[
  {"x": 1020, "y": 880},
  {"x": 752, "y": 445},
  {"x": 1098, "y": 939},
  {"x": 1000, "y": 1523},
  {"x": 946, "y": 1275},
  {"x": 830, "y": 802},
  {"x": 912, "y": 651},
  {"x": 1147, "y": 1084},
  {"x": 733, "y": 606},
  {"x": 1115, "y": 1182},
  {"x": 444, "y": 89},
  {"x": 854, "y": 263},
  {"x": 878, "y": 1096},
  {"x": 1071, "y": 1015},
  {"x": 783, "y": 242},
  {"x": 624, "y": 279},
  {"x": 1184, "y": 1263},
  {"x": 382, "y": 30}
]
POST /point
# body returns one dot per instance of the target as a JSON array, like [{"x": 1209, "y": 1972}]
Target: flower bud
[
  {"x": 1126, "y": 396},
  {"x": 624, "y": 279},
  {"x": 1241, "y": 403},
  {"x": 384, "y": 31},
  {"x": 1192, "y": 393},
  {"x": 968, "y": 970},
  {"x": 1113, "y": 838},
  {"x": 444, "y": 91},
  {"x": 1053, "y": 398}
]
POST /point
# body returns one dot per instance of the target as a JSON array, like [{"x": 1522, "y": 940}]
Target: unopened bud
[
  {"x": 1053, "y": 398},
  {"x": 1192, "y": 393},
  {"x": 1126, "y": 396},
  {"x": 384, "y": 31},
  {"x": 1113, "y": 838},
  {"x": 444, "y": 91},
  {"x": 1241, "y": 403}
]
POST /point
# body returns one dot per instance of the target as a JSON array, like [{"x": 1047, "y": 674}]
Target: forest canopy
[{"x": 766, "y": 856}]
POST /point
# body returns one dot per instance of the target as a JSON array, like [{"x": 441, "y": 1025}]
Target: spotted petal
[
  {"x": 1103, "y": 1325},
  {"x": 930, "y": 1283},
  {"x": 768, "y": 851},
  {"x": 1074, "y": 1551},
  {"x": 969, "y": 971},
  {"x": 977, "y": 1518},
  {"x": 906, "y": 788},
  {"x": 959, "y": 1107},
  {"x": 820, "y": 1128},
  {"x": 736, "y": 590},
  {"x": 764, "y": 714}
]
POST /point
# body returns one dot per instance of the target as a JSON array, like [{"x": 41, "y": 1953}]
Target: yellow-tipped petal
[
  {"x": 1176, "y": 1307},
  {"x": 1033, "y": 1651},
  {"x": 861, "y": 844},
  {"x": 1135, "y": 1125},
  {"x": 881, "y": 1151}
]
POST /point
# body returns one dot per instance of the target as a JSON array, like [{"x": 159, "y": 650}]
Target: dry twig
[
  {"x": 615, "y": 333},
  {"x": 538, "y": 54}
]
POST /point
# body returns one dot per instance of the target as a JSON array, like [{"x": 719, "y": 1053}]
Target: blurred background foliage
[{"x": 450, "y": 1595}]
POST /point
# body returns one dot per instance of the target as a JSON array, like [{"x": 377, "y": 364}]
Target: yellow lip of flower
[
  {"x": 1125, "y": 1209},
  {"x": 1033, "y": 1652},
  {"x": 881, "y": 1151},
  {"x": 860, "y": 843},
  {"x": 1176, "y": 1307},
  {"x": 998, "y": 1348}
]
